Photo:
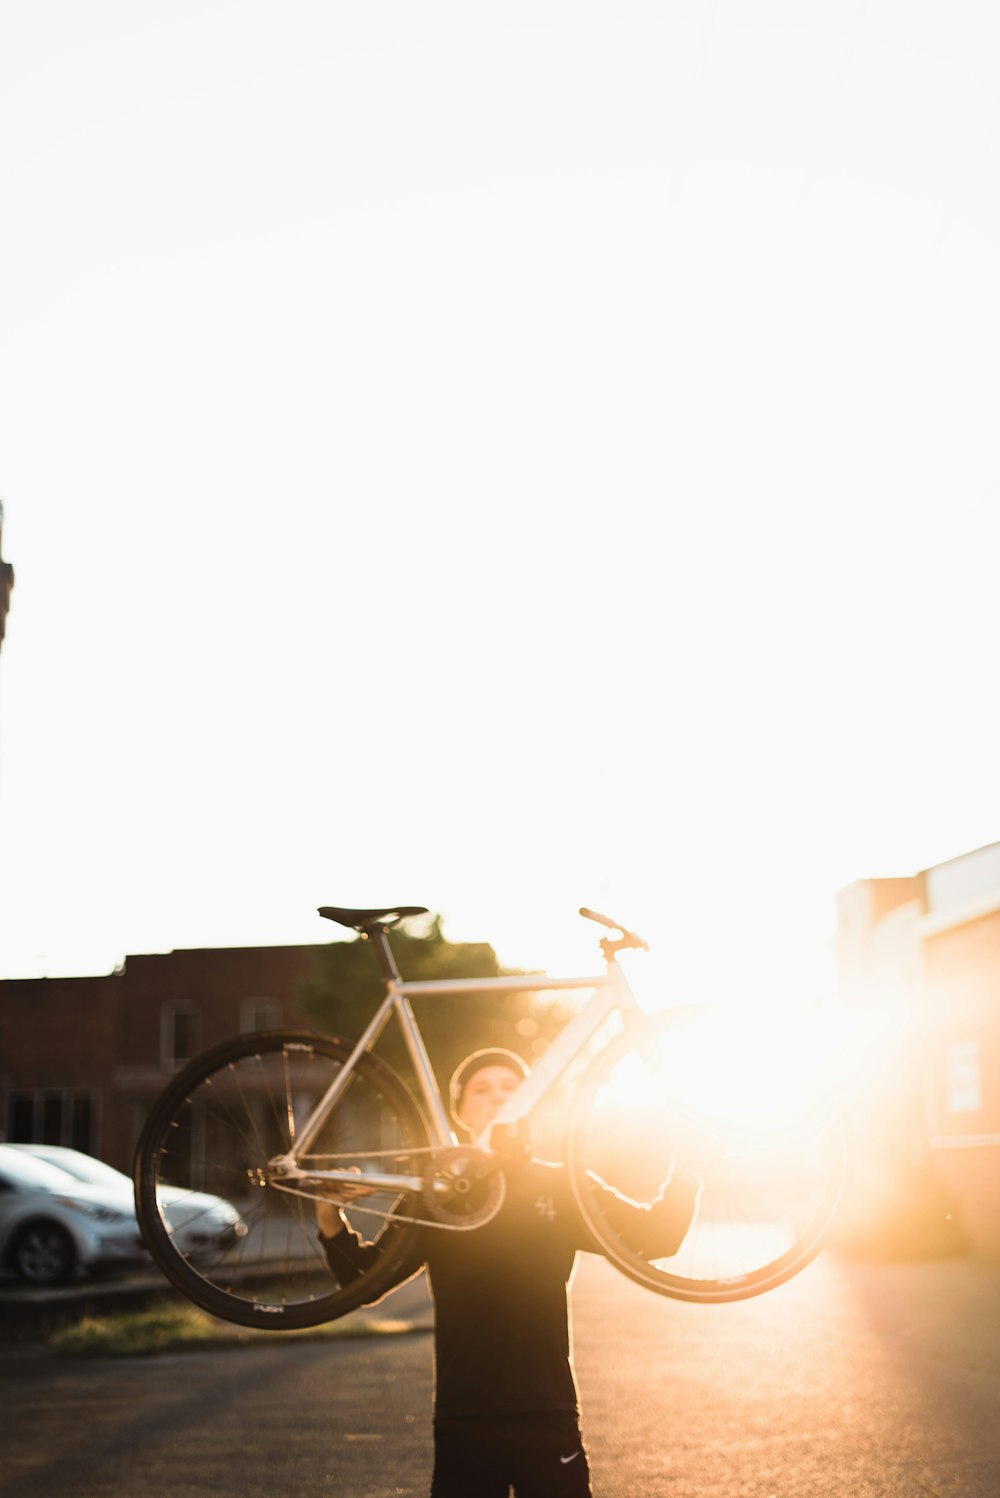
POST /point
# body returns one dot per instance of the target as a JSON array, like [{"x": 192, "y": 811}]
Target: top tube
[{"x": 521, "y": 983}]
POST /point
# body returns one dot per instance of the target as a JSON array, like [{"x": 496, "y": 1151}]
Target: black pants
[{"x": 539, "y": 1455}]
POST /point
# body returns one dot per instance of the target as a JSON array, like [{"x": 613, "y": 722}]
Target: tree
[
  {"x": 6, "y": 583},
  {"x": 344, "y": 989}
]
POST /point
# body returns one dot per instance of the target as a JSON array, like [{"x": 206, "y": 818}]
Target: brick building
[
  {"x": 81, "y": 1059},
  {"x": 928, "y": 947}
]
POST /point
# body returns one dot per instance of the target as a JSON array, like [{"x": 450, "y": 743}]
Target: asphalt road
[{"x": 853, "y": 1381}]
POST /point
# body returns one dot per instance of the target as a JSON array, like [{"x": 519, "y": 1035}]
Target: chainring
[{"x": 463, "y": 1188}]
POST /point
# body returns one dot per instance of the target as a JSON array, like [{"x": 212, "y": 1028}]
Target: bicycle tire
[
  {"x": 205, "y": 1147},
  {"x": 769, "y": 1190}
]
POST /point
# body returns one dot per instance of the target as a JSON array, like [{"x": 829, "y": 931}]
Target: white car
[
  {"x": 51, "y": 1223},
  {"x": 200, "y": 1223}
]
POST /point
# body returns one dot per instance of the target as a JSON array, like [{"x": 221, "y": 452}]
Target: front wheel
[
  {"x": 44, "y": 1254},
  {"x": 238, "y": 1243},
  {"x": 703, "y": 1094}
]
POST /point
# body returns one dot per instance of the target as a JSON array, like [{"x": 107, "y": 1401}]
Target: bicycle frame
[
  {"x": 611, "y": 993},
  {"x": 346, "y": 1128}
]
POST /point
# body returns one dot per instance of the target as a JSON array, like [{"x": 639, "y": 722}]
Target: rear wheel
[
  {"x": 235, "y": 1241},
  {"x": 699, "y": 1092}
]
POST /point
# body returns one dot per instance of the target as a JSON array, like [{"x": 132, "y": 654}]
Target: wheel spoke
[{"x": 215, "y": 1130}]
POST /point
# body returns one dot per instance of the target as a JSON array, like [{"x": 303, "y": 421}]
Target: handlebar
[{"x": 626, "y": 939}]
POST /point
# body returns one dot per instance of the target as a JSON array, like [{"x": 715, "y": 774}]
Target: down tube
[{"x": 612, "y": 992}]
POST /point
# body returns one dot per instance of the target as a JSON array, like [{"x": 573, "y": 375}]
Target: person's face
[{"x": 485, "y": 1093}]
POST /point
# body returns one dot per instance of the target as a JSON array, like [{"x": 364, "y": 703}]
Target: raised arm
[{"x": 653, "y": 1229}]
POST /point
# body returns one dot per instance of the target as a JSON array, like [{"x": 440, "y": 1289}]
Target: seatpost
[{"x": 386, "y": 961}]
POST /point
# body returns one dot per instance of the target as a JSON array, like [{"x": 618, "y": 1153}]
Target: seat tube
[{"x": 430, "y": 1092}]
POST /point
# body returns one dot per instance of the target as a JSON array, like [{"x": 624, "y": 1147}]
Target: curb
[
  {"x": 28, "y": 1315},
  {"x": 35, "y": 1312}
]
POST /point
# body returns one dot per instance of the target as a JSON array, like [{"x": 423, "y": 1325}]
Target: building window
[
  {"x": 48, "y": 1116},
  {"x": 179, "y": 1033},
  {"x": 259, "y": 1014},
  {"x": 81, "y": 1130},
  {"x": 964, "y": 1077},
  {"x": 21, "y": 1118}
]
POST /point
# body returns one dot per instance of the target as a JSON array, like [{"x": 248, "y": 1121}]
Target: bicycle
[{"x": 273, "y": 1120}]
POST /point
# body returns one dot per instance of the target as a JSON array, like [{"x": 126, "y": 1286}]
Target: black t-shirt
[{"x": 502, "y": 1334}]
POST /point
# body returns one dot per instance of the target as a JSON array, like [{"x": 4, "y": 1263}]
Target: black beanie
[{"x": 492, "y": 1056}]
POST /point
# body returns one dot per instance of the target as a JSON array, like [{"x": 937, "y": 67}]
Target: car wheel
[{"x": 44, "y": 1254}]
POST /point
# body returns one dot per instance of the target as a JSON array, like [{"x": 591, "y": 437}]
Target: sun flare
[{"x": 718, "y": 1067}]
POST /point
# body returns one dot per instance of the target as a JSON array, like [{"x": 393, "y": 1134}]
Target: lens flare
[{"x": 762, "y": 1072}]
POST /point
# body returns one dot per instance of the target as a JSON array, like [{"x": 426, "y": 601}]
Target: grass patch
[{"x": 127, "y": 1334}]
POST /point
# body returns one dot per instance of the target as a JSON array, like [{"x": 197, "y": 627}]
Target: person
[{"x": 506, "y": 1411}]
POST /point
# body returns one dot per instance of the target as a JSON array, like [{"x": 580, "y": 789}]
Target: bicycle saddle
[{"x": 360, "y": 920}]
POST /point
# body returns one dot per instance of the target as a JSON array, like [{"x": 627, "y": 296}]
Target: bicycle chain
[{"x": 389, "y": 1217}]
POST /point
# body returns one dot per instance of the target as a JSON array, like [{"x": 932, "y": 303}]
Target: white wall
[{"x": 964, "y": 881}]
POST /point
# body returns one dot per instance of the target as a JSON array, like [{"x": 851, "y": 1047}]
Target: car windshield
[
  {"x": 32, "y": 1174},
  {"x": 85, "y": 1168}
]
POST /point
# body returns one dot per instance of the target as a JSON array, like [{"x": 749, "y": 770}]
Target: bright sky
[{"x": 498, "y": 457}]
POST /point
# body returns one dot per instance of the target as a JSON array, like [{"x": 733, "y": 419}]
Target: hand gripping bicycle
[{"x": 269, "y": 1122}]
